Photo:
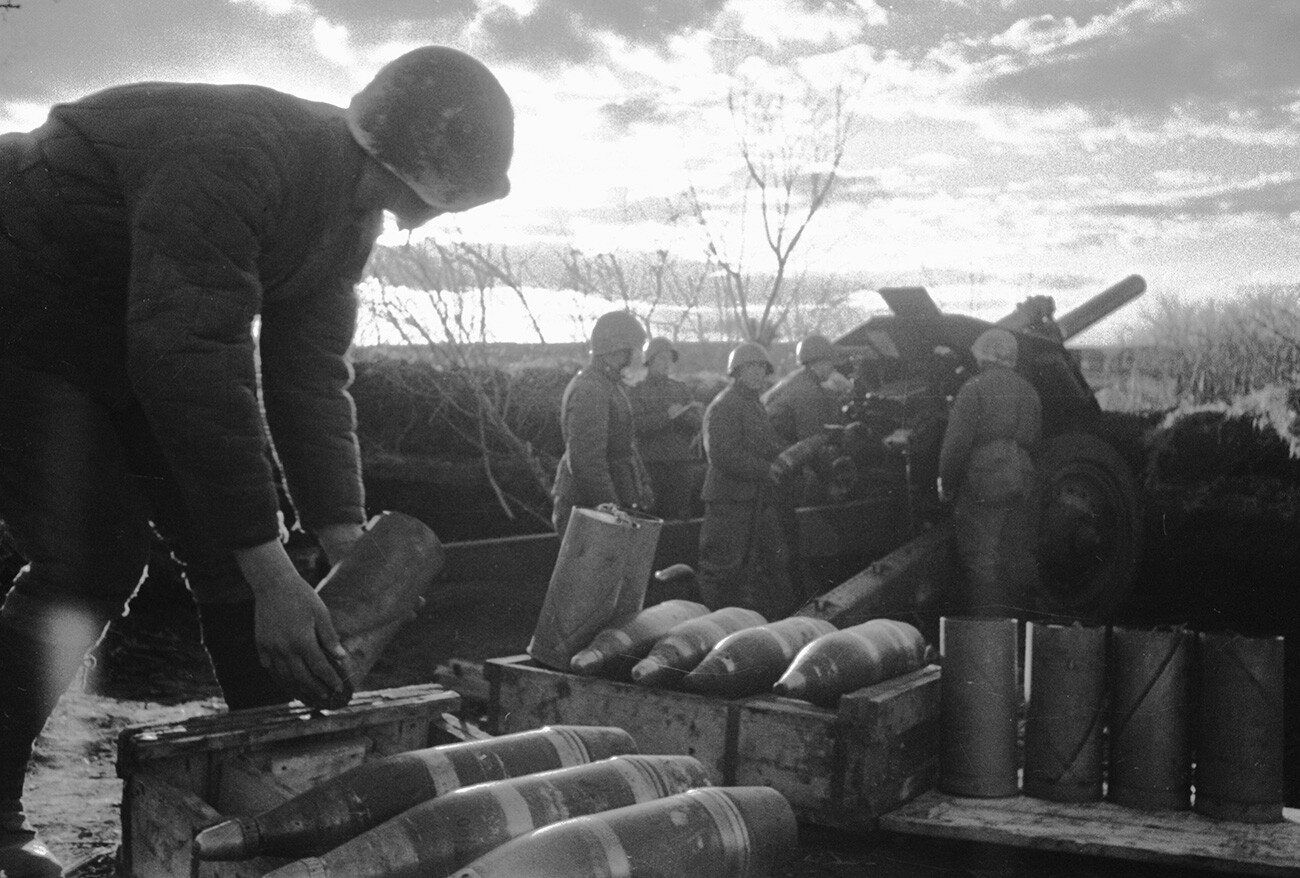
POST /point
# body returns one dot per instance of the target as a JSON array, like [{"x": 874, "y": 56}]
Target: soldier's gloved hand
[{"x": 295, "y": 636}]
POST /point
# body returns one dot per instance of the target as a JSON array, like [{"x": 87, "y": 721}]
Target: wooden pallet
[
  {"x": 182, "y": 777},
  {"x": 1176, "y": 838},
  {"x": 840, "y": 768}
]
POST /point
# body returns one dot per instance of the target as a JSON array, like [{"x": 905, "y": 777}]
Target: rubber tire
[{"x": 1084, "y": 481}]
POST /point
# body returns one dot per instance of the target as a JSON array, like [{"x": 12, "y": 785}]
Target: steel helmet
[
  {"x": 656, "y": 346},
  {"x": 616, "y": 331},
  {"x": 996, "y": 345},
  {"x": 748, "y": 352},
  {"x": 438, "y": 119},
  {"x": 815, "y": 347}
]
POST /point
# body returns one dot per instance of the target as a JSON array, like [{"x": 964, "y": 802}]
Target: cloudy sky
[{"x": 1003, "y": 147}]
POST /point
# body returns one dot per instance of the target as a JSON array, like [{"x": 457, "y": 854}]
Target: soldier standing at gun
[
  {"x": 993, "y": 428},
  {"x": 667, "y": 424},
  {"x": 744, "y": 555}
]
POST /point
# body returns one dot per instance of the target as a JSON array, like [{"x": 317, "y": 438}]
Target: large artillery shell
[
  {"x": 441, "y": 835},
  {"x": 1239, "y": 745},
  {"x": 750, "y": 661},
  {"x": 1151, "y": 719},
  {"x": 376, "y": 589},
  {"x": 687, "y": 643},
  {"x": 617, "y": 648},
  {"x": 979, "y": 698},
  {"x": 1065, "y": 686},
  {"x": 844, "y": 661},
  {"x": 365, "y": 796},
  {"x": 716, "y": 832}
]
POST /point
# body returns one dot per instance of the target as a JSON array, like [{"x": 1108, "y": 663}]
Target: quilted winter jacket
[
  {"x": 144, "y": 230},
  {"x": 799, "y": 406},
  {"x": 659, "y": 437},
  {"x": 600, "y": 463},
  {"x": 995, "y": 423},
  {"x": 740, "y": 444}
]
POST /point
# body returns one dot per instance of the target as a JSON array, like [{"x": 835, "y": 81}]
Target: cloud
[
  {"x": 1276, "y": 195},
  {"x": 1148, "y": 57}
]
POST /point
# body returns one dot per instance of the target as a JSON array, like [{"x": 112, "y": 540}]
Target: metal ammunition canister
[
  {"x": 716, "y": 832},
  {"x": 844, "y": 661},
  {"x": 614, "y": 650},
  {"x": 376, "y": 589},
  {"x": 1239, "y": 723},
  {"x": 1151, "y": 719},
  {"x": 687, "y": 643},
  {"x": 1065, "y": 688},
  {"x": 334, "y": 811},
  {"x": 750, "y": 661},
  {"x": 441, "y": 835},
  {"x": 979, "y": 699}
]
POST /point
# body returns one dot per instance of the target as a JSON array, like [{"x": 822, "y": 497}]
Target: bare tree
[
  {"x": 792, "y": 145},
  {"x": 660, "y": 289},
  {"x": 435, "y": 297}
]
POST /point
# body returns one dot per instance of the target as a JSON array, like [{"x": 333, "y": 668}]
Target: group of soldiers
[
  {"x": 178, "y": 265},
  {"x": 638, "y": 447}
]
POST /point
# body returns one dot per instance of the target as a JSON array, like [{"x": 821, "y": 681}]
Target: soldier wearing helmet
[
  {"x": 744, "y": 556},
  {"x": 800, "y": 405},
  {"x": 667, "y": 425},
  {"x": 600, "y": 462},
  {"x": 146, "y": 228},
  {"x": 986, "y": 460}
]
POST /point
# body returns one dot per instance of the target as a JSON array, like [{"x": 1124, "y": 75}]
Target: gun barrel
[{"x": 1101, "y": 305}]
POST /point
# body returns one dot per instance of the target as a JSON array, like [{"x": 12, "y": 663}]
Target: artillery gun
[{"x": 907, "y": 367}]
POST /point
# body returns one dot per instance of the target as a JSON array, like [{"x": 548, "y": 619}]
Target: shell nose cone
[{"x": 226, "y": 841}]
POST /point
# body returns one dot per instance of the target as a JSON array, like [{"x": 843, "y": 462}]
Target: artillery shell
[
  {"x": 441, "y": 835},
  {"x": 716, "y": 832},
  {"x": 686, "y": 645},
  {"x": 617, "y": 648},
  {"x": 749, "y": 661},
  {"x": 334, "y": 811},
  {"x": 844, "y": 661},
  {"x": 375, "y": 590}
]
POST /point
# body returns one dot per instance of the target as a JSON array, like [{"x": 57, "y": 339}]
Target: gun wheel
[{"x": 1090, "y": 528}]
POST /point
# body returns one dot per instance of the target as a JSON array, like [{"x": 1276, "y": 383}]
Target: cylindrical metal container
[
  {"x": 716, "y": 832},
  {"x": 439, "y": 836},
  {"x": 334, "y": 811},
  {"x": 1151, "y": 718},
  {"x": 376, "y": 589},
  {"x": 979, "y": 702},
  {"x": 678, "y": 652},
  {"x": 750, "y": 661},
  {"x": 601, "y": 574},
  {"x": 844, "y": 661},
  {"x": 614, "y": 650},
  {"x": 1065, "y": 688},
  {"x": 1239, "y": 728}
]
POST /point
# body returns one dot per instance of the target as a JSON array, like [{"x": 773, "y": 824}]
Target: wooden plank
[
  {"x": 1182, "y": 838},
  {"x": 788, "y": 745},
  {"x": 260, "y": 727}
]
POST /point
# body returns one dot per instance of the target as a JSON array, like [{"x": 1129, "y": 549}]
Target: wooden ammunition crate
[
  {"x": 841, "y": 768},
  {"x": 182, "y": 777}
]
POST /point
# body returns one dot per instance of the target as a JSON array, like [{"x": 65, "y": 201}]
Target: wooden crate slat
[
  {"x": 262, "y": 726},
  {"x": 1179, "y": 838}
]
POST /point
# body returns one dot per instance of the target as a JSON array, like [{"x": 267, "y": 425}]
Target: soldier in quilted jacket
[
  {"x": 177, "y": 265},
  {"x": 600, "y": 464},
  {"x": 668, "y": 424}
]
